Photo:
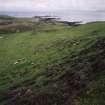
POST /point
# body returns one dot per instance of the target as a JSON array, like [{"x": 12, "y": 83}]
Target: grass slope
[{"x": 64, "y": 66}]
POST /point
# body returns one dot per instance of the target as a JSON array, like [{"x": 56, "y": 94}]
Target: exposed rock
[
  {"x": 1, "y": 37},
  {"x": 22, "y": 60},
  {"x": 28, "y": 92},
  {"x": 16, "y": 63}
]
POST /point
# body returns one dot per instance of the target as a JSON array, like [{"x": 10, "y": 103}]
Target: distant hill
[{"x": 5, "y": 17}]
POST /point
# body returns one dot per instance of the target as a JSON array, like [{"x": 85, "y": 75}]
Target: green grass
[
  {"x": 44, "y": 51},
  {"x": 34, "y": 48}
]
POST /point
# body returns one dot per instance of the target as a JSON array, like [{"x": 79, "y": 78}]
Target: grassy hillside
[{"x": 57, "y": 65}]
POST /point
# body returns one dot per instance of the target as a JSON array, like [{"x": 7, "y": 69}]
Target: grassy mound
[{"x": 65, "y": 66}]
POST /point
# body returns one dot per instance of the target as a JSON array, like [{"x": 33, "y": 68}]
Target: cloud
[{"x": 51, "y": 5}]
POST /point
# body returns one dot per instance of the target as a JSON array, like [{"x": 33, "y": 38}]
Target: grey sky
[{"x": 51, "y": 5}]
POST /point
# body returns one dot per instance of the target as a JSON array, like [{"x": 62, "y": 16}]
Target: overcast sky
[{"x": 51, "y": 5}]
